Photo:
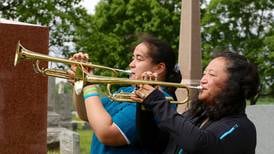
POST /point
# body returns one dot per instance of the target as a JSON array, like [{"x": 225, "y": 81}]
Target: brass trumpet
[
  {"x": 25, "y": 54},
  {"x": 125, "y": 97}
]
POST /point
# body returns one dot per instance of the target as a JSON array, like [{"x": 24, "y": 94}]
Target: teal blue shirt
[{"x": 124, "y": 116}]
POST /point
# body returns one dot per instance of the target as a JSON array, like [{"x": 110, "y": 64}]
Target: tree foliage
[
  {"x": 110, "y": 33},
  {"x": 245, "y": 27},
  {"x": 241, "y": 26},
  {"x": 61, "y": 16}
]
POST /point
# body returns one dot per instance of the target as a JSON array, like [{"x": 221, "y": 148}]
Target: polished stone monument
[
  {"x": 261, "y": 116},
  {"x": 23, "y": 93}
]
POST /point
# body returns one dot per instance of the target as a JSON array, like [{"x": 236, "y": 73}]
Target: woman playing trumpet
[
  {"x": 216, "y": 122},
  {"x": 114, "y": 124}
]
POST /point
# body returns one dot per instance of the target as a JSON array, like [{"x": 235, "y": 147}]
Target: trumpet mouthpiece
[
  {"x": 127, "y": 71},
  {"x": 196, "y": 87}
]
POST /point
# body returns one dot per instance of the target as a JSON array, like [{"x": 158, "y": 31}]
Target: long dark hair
[
  {"x": 161, "y": 52},
  {"x": 243, "y": 83}
]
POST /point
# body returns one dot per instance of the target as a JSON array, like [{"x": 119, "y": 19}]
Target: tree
[
  {"x": 108, "y": 36},
  {"x": 245, "y": 27},
  {"x": 60, "y": 16}
]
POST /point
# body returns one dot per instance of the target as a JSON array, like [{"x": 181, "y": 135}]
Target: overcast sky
[{"x": 90, "y": 5}]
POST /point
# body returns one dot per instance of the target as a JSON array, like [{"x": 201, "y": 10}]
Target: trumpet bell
[{"x": 17, "y": 56}]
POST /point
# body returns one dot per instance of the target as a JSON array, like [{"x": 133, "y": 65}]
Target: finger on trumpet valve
[
  {"x": 140, "y": 94},
  {"x": 155, "y": 75}
]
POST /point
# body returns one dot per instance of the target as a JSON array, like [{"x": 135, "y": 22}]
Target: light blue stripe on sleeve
[
  {"x": 181, "y": 151},
  {"x": 229, "y": 131}
]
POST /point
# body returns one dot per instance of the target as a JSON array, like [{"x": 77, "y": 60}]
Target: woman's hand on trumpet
[
  {"x": 80, "y": 57},
  {"x": 144, "y": 90}
]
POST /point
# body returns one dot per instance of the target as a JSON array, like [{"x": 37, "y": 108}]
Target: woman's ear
[{"x": 160, "y": 69}]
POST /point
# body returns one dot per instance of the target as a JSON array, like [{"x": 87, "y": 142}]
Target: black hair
[
  {"x": 243, "y": 83},
  {"x": 161, "y": 52}
]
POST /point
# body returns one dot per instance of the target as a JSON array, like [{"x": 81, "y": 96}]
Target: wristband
[
  {"x": 87, "y": 96},
  {"x": 90, "y": 91}
]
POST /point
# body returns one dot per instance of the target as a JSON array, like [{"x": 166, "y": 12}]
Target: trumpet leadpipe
[{"x": 126, "y": 81}]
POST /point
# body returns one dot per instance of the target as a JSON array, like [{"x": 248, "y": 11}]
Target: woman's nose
[
  {"x": 203, "y": 80},
  {"x": 131, "y": 64}
]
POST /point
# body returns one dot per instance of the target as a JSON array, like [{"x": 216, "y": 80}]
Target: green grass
[
  {"x": 85, "y": 140},
  {"x": 85, "y": 136},
  {"x": 53, "y": 152},
  {"x": 265, "y": 100}
]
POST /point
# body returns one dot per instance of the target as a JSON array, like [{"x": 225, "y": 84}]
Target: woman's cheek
[
  {"x": 204, "y": 96},
  {"x": 201, "y": 95}
]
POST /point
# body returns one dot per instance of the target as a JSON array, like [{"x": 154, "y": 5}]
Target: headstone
[
  {"x": 23, "y": 94},
  {"x": 69, "y": 142},
  {"x": 66, "y": 140},
  {"x": 262, "y": 117},
  {"x": 63, "y": 106},
  {"x": 60, "y": 103},
  {"x": 53, "y": 137},
  {"x": 51, "y": 93},
  {"x": 53, "y": 119}
]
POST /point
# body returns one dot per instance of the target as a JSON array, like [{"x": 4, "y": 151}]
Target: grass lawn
[
  {"x": 266, "y": 100},
  {"x": 85, "y": 140}
]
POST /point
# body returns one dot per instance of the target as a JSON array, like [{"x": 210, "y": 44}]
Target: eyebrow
[
  {"x": 209, "y": 71},
  {"x": 138, "y": 55}
]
